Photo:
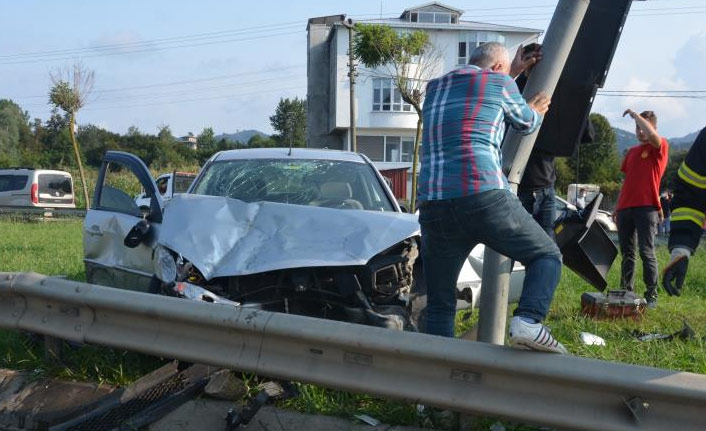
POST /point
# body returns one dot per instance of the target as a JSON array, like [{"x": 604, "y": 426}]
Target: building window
[
  {"x": 386, "y": 96},
  {"x": 469, "y": 40},
  {"x": 393, "y": 149},
  {"x": 399, "y": 149},
  {"x": 407, "y": 153},
  {"x": 433, "y": 17}
]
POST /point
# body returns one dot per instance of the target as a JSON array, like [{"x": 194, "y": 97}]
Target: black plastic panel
[{"x": 585, "y": 71}]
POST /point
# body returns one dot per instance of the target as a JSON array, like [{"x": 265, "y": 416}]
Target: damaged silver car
[{"x": 310, "y": 232}]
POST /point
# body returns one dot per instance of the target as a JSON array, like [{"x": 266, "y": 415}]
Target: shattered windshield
[{"x": 323, "y": 183}]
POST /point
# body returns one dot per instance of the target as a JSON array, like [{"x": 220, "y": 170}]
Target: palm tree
[{"x": 69, "y": 92}]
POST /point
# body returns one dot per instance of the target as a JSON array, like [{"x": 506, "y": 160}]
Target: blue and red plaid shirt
[{"x": 464, "y": 123}]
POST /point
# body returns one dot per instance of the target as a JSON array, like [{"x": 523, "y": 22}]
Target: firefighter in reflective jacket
[{"x": 688, "y": 214}]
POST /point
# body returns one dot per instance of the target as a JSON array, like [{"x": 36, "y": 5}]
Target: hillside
[
  {"x": 627, "y": 139},
  {"x": 242, "y": 136}
]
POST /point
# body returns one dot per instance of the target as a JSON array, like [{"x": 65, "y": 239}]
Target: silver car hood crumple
[{"x": 228, "y": 237}]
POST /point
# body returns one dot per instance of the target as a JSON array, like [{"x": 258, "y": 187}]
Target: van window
[
  {"x": 55, "y": 185},
  {"x": 9, "y": 183}
]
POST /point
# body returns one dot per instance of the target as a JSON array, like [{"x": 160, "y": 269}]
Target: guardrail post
[{"x": 53, "y": 349}]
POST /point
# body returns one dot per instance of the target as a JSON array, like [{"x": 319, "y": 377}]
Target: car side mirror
[{"x": 140, "y": 233}]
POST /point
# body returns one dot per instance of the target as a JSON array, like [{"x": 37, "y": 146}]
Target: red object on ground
[{"x": 617, "y": 304}]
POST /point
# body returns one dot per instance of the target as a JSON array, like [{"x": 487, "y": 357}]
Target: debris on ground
[
  {"x": 236, "y": 419},
  {"x": 591, "y": 339},
  {"x": 367, "y": 419},
  {"x": 497, "y": 426},
  {"x": 685, "y": 333},
  {"x": 270, "y": 418},
  {"x": 223, "y": 385}
]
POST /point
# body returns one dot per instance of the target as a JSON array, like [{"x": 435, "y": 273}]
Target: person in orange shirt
[{"x": 639, "y": 209}]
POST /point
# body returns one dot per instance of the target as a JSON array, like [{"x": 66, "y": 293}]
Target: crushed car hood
[{"x": 228, "y": 237}]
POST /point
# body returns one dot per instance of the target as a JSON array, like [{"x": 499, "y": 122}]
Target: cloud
[
  {"x": 690, "y": 60},
  {"x": 676, "y": 115}
]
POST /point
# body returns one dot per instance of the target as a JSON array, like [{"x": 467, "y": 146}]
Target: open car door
[{"x": 118, "y": 235}]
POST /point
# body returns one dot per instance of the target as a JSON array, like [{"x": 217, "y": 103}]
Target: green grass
[{"x": 55, "y": 248}]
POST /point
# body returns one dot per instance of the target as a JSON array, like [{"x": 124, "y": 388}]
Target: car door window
[{"x": 119, "y": 188}]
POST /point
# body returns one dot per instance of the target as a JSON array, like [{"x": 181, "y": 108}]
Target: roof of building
[
  {"x": 433, "y": 3},
  {"x": 283, "y": 153},
  {"x": 462, "y": 25}
]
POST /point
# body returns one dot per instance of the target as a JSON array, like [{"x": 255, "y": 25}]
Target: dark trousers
[
  {"x": 542, "y": 205},
  {"x": 496, "y": 218},
  {"x": 637, "y": 227}
]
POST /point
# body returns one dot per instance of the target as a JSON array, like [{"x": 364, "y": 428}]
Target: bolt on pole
[{"x": 556, "y": 46}]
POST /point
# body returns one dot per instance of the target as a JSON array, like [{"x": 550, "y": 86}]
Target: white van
[{"x": 28, "y": 187}]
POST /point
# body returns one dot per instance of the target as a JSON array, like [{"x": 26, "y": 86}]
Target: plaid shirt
[{"x": 464, "y": 124}]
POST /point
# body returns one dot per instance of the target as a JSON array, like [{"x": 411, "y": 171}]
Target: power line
[
  {"x": 653, "y": 91},
  {"x": 152, "y": 41},
  {"x": 665, "y": 96},
  {"x": 152, "y": 49},
  {"x": 157, "y": 96},
  {"x": 186, "y": 82},
  {"x": 225, "y": 96}
]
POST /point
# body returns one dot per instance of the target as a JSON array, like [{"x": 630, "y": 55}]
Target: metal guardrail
[
  {"x": 41, "y": 211},
  {"x": 567, "y": 392}
]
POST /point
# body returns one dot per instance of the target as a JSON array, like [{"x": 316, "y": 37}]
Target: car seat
[{"x": 336, "y": 195}]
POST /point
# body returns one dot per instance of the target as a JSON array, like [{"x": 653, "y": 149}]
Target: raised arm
[{"x": 650, "y": 132}]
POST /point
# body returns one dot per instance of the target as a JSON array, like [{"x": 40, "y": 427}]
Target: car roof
[
  {"x": 283, "y": 153},
  {"x": 32, "y": 170}
]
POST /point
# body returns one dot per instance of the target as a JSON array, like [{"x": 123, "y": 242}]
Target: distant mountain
[
  {"x": 627, "y": 139},
  {"x": 242, "y": 136},
  {"x": 683, "y": 143}
]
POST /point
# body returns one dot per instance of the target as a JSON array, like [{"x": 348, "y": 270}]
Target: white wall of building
[{"x": 366, "y": 118}]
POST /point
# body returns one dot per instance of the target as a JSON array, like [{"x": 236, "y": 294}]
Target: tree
[
  {"x": 207, "y": 139},
  {"x": 15, "y": 132},
  {"x": 409, "y": 59},
  {"x": 71, "y": 88},
  {"x": 259, "y": 141},
  {"x": 289, "y": 121},
  {"x": 675, "y": 160},
  {"x": 95, "y": 141}
]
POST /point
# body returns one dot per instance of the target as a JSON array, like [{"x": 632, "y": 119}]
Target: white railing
[{"x": 567, "y": 392}]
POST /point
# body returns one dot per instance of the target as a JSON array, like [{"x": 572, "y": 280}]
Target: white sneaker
[{"x": 533, "y": 336}]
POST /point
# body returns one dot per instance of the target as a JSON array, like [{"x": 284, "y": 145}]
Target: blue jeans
[
  {"x": 496, "y": 218},
  {"x": 542, "y": 205}
]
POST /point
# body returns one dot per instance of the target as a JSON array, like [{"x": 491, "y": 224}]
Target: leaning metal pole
[{"x": 516, "y": 150}]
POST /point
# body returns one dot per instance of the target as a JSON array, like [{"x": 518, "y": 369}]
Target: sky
[{"x": 225, "y": 64}]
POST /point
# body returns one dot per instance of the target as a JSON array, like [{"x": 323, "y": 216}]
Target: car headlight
[{"x": 165, "y": 267}]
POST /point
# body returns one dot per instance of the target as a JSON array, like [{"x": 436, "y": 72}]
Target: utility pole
[
  {"x": 351, "y": 75},
  {"x": 557, "y": 44}
]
